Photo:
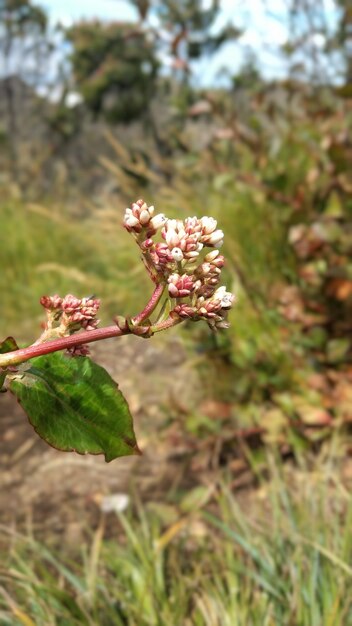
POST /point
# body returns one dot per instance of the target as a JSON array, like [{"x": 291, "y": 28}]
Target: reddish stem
[
  {"x": 88, "y": 336},
  {"x": 150, "y": 307},
  {"x": 24, "y": 354}
]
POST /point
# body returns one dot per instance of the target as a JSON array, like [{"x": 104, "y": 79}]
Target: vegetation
[
  {"x": 260, "y": 534},
  {"x": 285, "y": 560}
]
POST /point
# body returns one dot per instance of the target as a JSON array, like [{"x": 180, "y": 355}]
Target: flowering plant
[{"x": 72, "y": 402}]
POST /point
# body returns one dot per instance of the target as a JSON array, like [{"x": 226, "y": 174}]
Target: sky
[{"x": 263, "y": 22}]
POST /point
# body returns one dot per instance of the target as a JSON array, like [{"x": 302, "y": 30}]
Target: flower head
[
  {"x": 139, "y": 217},
  {"x": 180, "y": 286},
  {"x": 184, "y": 236},
  {"x": 177, "y": 262}
]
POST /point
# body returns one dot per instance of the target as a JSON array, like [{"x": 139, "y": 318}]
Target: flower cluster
[
  {"x": 140, "y": 218},
  {"x": 68, "y": 315},
  {"x": 176, "y": 261}
]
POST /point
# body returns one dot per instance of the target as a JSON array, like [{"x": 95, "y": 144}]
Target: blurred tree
[
  {"x": 23, "y": 45},
  {"x": 115, "y": 68},
  {"x": 192, "y": 30},
  {"x": 319, "y": 44},
  {"x": 248, "y": 76},
  {"x": 344, "y": 37}
]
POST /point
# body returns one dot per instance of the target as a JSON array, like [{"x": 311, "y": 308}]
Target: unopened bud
[
  {"x": 148, "y": 243},
  {"x": 81, "y": 350},
  {"x": 144, "y": 217},
  {"x": 215, "y": 239},
  {"x": 157, "y": 221},
  {"x": 180, "y": 286},
  {"x": 177, "y": 254},
  {"x": 51, "y": 302},
  {"x": 211, "y": 256},
  {"x": 185, "y": 311},
  {"x": 172, "y": 239},
  {"x": 208, "y": 225}
]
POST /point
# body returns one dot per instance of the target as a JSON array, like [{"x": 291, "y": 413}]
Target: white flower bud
[
  {"x": 211, "y": 256},
  {"x": 173, "y": 291},
  {"x": 208, "y": 225},
  {"x": 215, "y": 237},
  {"x": 172, "y": 239},
  {"x": 131, "y": 221},
  {"x": 158, "y": 220},
  {"x": 144, "y": 217},
  {"x": 193, "y": 254},
  {"x": 177, "y": 254},
  {"x": 223, "y": 324}
]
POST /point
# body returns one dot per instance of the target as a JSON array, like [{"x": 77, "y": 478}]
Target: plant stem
[
  {"x": 151, "y": 306},
  {"x": 168, "y": 323},
  {"x": 89, "y": 336}
]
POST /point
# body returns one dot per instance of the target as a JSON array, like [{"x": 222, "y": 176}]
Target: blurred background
[{"x": 239, "y": 511}]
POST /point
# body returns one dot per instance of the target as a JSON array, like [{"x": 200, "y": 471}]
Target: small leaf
[
  {"x": 74, "y": 405},
  {"x": 8, "y": 345}
]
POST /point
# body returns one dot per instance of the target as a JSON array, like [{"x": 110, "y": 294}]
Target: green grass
[
  {"x": 279, "y": 556},
  {"x": 44, "y": 251}
]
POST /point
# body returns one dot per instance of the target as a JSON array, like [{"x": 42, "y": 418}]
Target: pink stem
[
  {"x": 150, "y": 307},
  {"x": 24, "y": 354},
  {"x": 88, "y": 336}
]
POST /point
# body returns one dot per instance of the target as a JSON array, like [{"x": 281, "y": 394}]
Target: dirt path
[{"x": 55, "y": 490}]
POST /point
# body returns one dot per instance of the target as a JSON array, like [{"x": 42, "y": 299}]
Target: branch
[
  {"x": 151, "y": 306},
  {"x": 88, "y": 336}
]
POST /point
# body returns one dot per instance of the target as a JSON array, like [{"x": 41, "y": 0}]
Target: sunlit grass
[
  {"x": 281, "y": 555},
  {"x": 45, "y": 252}
]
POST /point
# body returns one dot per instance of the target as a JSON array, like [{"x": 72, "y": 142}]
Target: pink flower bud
[
  {"x": 161, "y": 255},
  {"x": 81, "y": 350},
  {"x": 180, "y": 286},
  {"x": 138, "y": 216},
  {"x": 77, "y": 316},
  {"x": 204, "y": 269},
  {"x": 186, "y": 311},
  {"x": 215, "y": 258},
  {"x": 148, "y": 243},
  {"x": 192, "y": 225},
  {"x": 51, "y": 302},
  {"x": 90, "y": 324},
  {"x": 70, "y": 303},
  {"x": 219, "y": 262}
]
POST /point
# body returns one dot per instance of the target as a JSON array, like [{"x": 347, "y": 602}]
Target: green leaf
[
  {"x": 74, "y": 405},
  {"x": 8, "y": 345}
]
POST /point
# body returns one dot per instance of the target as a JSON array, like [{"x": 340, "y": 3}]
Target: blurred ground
[{"x": 54, "y": 491}]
